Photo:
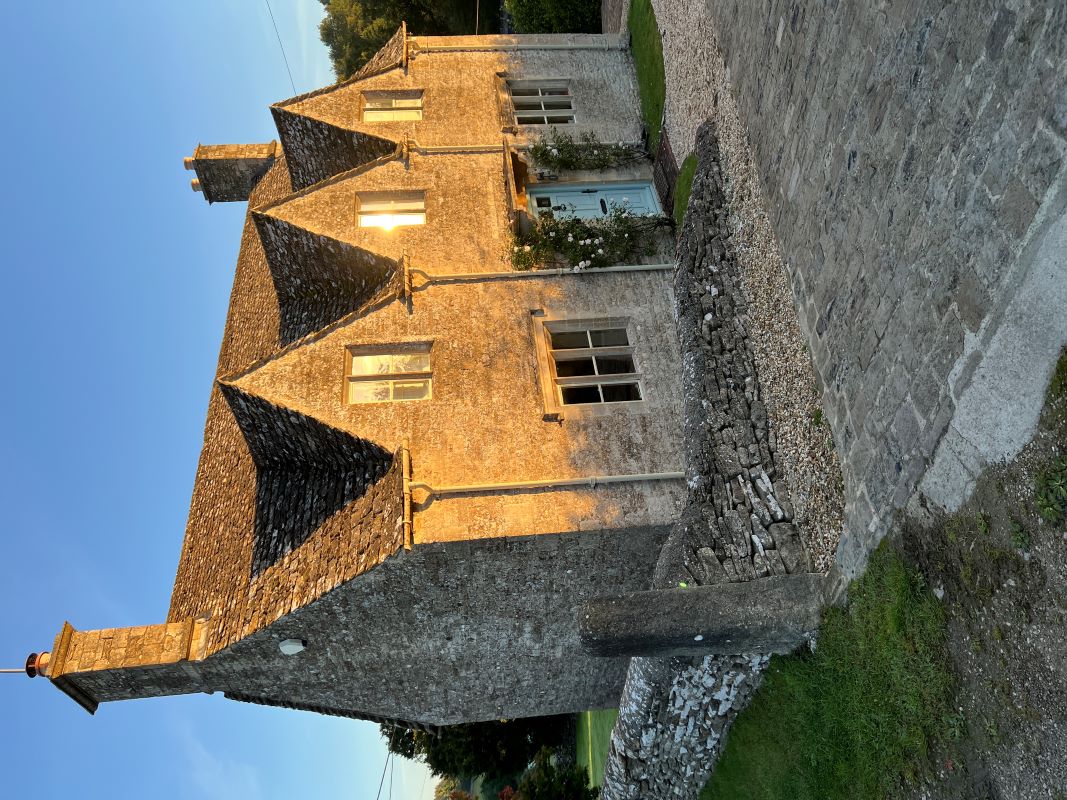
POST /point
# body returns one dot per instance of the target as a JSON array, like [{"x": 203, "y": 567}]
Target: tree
[
  {"x": 444, "y": 788},
  {"x": 554, "y": 16},
  {"x": 493, "y": 749},
  {"x": 355, "y": 30},
  {"x": 546, "y": 781}
]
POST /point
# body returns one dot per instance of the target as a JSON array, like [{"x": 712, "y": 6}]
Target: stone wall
[
  {"x": 452, "y": 632},
  {"x": 486, "y": 419},
  {"x": 737, "y": 525},
  {"x": 912, "y": 158}
]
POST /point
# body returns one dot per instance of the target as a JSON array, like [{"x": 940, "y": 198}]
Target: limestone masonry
[{"x": 418, "y": 463}]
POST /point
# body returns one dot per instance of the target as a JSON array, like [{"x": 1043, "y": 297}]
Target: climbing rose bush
[
  {"x": 561, "y": 239},
  {"x": 561, "y": 151}
]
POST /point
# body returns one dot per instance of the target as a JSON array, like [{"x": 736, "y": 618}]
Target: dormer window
[
  {"x": 389, "y": 210},
  {"x": 542, "y": 102},
  {"x": 392, "y": 106},
  {"x": 388, "y": 373}
]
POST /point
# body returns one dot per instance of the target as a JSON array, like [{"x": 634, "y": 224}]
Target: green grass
[
  {"x": 647, "y": 50},
  {"x": 594, "y": 736},
  {"x": 1057, "y": 388},
  {"x": 855, "y": 718},
  {"x": 684, "y": 186}
]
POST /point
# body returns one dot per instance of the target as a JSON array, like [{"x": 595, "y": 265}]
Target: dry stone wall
[{"x": 737, "y": 525}]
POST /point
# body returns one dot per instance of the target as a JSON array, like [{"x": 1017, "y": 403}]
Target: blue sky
[{"x": 115, "y": 282}]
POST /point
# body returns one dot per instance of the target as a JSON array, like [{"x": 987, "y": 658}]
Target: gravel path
[{"x": 698, "y": 88}]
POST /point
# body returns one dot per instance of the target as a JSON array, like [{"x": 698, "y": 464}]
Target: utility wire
[
  {"x": 388, "y": 758},
  {"x": 281, "y": 46}
]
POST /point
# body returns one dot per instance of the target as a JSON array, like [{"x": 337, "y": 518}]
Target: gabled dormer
[{"x": 306, "y": 471}]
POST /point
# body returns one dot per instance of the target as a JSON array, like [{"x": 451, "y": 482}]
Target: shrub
[
  {"x": 493, "y": 749},
  {"x": 554, "y": 16},
  {"x": 561, "y": 151},
  {"x": 546, "y": 781},
  {"x": 564, "y": 240}
]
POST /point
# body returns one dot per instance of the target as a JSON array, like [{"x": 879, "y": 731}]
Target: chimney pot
[
  {"x": 189, "y": 162},
  {"x": 37, "y": 664},
  {"x": 195, "y": 183}
]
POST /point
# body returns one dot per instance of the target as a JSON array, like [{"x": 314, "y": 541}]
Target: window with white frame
[
  {"x": 389, "y": 210},
  {"x": 388, "y": 373},
  {"x": 592, "y": 363},
  {"x": 392, "y": 106},
  {"x": 544, "y": 102}
]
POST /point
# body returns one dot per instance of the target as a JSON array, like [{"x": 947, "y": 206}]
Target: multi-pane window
[
  {"x": 383, "y": 374},
  {"x": 391, "y": 106},
  {"x": 593, "y": 364},
  {"x": 542, "y": 102},
  {"x": 389, "y": 209}
]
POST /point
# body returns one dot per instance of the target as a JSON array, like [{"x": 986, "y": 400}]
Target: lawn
[
  {"x": 647, "y": 51},
  {"x": 683, "y": 186},
  {"x": 594, "y": 735},
  {"x": 856, "y": 718}
]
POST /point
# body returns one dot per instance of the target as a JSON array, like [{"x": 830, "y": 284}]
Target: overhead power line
[{"x": 281, "y": 46}]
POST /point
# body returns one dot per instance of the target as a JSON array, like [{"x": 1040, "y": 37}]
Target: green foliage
[
  {"x": 560, "y": 151},
  {"x": 1050, "y": 491},
  {"x": 683, "y": 187},
  {"x": 1020, "y": 537},
  {"x": 546, "y": 781},
  {"x": 444, "y": 788},
  {"x": 354, "y": 30},
  {"x": 593, "y": 741},
  {"x": 1057, "y": 388},
  {"x": 647, "y": 49},
  {"x": 492, "y": 749},
  {"x": 563, "y": 240},
  {"x": 554, "y": 16},
  {"x": 855, "y": 718}
]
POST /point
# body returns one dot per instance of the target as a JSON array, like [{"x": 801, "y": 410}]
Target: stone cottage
[{"x": 418, "y": 462}]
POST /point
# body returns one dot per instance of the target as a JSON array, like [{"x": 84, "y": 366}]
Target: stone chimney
[
  {"x": 229, "y": 172},
  {"x": 93, "y": 667}
]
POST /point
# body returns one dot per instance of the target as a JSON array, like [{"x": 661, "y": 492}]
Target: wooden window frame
[
  {"x": 552, "y": 385},
  {"x": 381, "y": 105},
  {"x": 544, "y": 88},
  {"x": 373, "y": 207},
  {"x": 392, "y": 378}
]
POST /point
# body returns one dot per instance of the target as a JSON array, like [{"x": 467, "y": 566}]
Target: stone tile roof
[
  {"x": 271, "y": 479},
  {"x": 305, "y": 472},
  {"x": 316, "y": 149},
  {"x": 317, "y": 279}
]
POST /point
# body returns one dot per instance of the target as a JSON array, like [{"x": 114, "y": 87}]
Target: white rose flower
[
  {"x": 526, "y": 248},
  {"x": 570, "y": 238},
  {"x": 601, "y": 251}
]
